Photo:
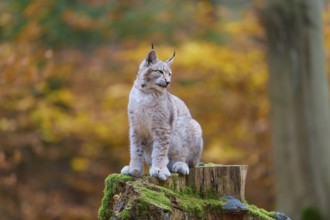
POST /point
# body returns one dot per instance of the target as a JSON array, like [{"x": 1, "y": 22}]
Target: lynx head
[{"x": 154, "y": 75}]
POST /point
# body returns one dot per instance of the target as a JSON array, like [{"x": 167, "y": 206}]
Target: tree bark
[
  {"x": 225, "y": 180},
  {"x": 299, "y": 105}
]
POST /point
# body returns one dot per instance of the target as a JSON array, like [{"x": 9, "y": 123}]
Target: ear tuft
[
  {"x": 152, "y": 45},
  {"x": 169, "y": 61},
  {"x": 151, "y": 57}
]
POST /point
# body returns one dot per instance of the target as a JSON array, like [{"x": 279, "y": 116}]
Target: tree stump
[
  {"x": 225, "y": 180},
  {"x": 208, "y": 192}
]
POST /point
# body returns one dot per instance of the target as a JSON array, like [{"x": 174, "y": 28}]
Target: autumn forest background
[{"x": 66, "y": 69}]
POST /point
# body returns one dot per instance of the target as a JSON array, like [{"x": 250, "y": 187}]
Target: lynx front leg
[
  {"x": 159, "y": 154},
  {"x": 135, "y": 167}
]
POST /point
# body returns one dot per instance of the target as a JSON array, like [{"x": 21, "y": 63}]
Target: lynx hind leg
[
  {"x": 195, "y": 155},
  {"x": 180, "y": 167},
  {"x": 197, "y": 143}
]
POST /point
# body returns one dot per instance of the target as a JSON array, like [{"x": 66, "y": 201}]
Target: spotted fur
[{"x": 162, "y": 131}]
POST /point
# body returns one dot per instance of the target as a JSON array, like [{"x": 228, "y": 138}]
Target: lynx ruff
[{"x": 162, "y": 131}]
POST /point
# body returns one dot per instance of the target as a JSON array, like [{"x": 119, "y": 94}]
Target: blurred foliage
[
  {"x": 311, "y": 213},
  {"x": 81, "y": 23},
  {"x": 66, "y": 69}
]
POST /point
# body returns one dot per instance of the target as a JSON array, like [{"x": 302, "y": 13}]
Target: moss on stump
[
  {"x": 126, "y": 197},
  {"x": 147, "y": 197}
]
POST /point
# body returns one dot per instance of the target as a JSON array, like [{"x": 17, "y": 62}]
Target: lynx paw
[
  {"x": 180, "y": 167},
  {"x": 160, "y": 173},
  {"x": 127, "y": 170}
]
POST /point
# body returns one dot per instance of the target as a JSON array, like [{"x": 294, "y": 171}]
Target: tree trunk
[
  {"x": 300, "y": 105},
  {"x": 204, "y": 194}
]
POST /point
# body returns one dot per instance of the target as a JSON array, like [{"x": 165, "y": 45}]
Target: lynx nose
[{"x": 167, "y": 82}]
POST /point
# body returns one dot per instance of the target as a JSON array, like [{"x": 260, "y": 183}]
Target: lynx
[{"x": 162, "y": 131}]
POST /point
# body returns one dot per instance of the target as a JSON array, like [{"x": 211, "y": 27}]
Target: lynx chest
[{"x": 145, "y": 112}]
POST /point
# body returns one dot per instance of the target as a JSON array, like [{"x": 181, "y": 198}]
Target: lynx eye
[{"x": 160, "y": 71}]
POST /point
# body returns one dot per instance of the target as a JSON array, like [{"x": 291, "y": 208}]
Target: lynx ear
[
  {"x": 169, "y": 61},
  {"x": 151, "y": 57}
]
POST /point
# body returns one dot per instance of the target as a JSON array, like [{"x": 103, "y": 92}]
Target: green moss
[
  {"x": 311, "y": 213},
  {"x": 174, "y": 179},
  {"x": 262, "y": 214},
  {"x": 112, "y": 184},
  {"x": 149, "y": 199},
  {"x": 209, "y": 165},
  {"x": 188, "y": 192},
  {"x": 167, "y": 191},
  {"x": 125, "y": 214},
  {"x": 187, "y": 200},
  {"x": 155, "y": 197},
  {"x": 193, "y": 205},
  {"x": 215, "y": 204},
  {"x": 191, "y": 202}
]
